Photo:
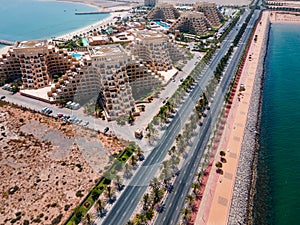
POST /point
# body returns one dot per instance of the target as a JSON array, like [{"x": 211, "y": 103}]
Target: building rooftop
[
  {"x": 205, "y": 4},
  {"x": 104, "y": 50},
  {"x": 32, "y": 43},
  {"x": 149, "y": 35},
  {"x": 192, "y": 15}
]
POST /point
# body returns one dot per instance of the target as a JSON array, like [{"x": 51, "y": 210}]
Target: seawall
[{"x": 243, "y": 192}]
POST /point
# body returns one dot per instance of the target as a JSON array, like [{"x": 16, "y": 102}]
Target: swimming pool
[
  {"x": 85, "y": 42},
  {"x": 162, "y": 24},
  {"x": 77, "y": 55}
]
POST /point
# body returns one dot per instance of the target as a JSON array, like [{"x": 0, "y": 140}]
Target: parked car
[
  {"x": 44, "y": 109},
  {"x": 3, "y": 97},
  {"x": 60, "y": 115},
  {"x": 106, "y": 129}
]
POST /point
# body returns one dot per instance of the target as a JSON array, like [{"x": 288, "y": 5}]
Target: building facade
[
  {"x": 163, "y": 12},
  {"x": 211, "y": 12},
  {"x": 107, "y": 73},
  {"x": 35, "y": 62},
  {"x": 191, "y": 22},
  {"x": 155, "y": 50}
]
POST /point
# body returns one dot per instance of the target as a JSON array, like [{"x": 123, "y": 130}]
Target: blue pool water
[
  {"x": 76, "y": 55},
  {"x": 162, "y": 24},
  {"x": 85, "y": 42}
]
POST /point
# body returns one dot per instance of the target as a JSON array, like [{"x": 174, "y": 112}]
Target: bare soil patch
[{"x": 47, "y": 166}]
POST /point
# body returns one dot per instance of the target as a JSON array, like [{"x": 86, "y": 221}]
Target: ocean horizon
[
  {"x": 277, "y": 200},
  {"x": 35, "y": 19}
]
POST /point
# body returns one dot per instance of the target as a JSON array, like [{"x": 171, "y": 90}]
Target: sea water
[
  {"x": 36, "y": 19},
  {"x": 277, "y": 199}
]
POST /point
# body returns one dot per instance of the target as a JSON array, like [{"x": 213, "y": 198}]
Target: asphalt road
[
  {"x": 175, "y": 201},
  {"x": 124, "y": 207}
]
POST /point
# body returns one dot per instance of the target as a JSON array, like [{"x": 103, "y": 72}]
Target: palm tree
[
  {"x": 146, "y": 201},
  {"x": 109, "y": 192},
  {"x": 100, "y": 206},
  {"x": 180, "y": 143},
  {"x": 222, "y": 153},
  {"x": 118, "y": 181},
  {"x": 219, "y": 165},
  {"x": 157, "y": 195},
  {"x": 140, "y": 219},
  {"x": 133, "y": 160},
  {"x": 195, "y": 187},
  {"x": 149, "y": 214},
  {"x": 186, "y": 213},
  {"x": 198, "y": 175},
  {"x": 190, "y": 199},
  {"x": 130, "y": 222},
  {"x": 87, "y": 220},
  {"x": 154, "y": 183}
]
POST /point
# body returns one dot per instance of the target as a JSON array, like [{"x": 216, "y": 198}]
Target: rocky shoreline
[{"x": 244, "y": 187}]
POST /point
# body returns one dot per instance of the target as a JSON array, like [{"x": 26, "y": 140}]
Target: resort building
[
  {"x": 98, "y": 40},
  {"x": 211, "y": 12},
  {"x": 9, "y": 67},
  {"x": 35, "y": 62},
  {"x": 163, "y": 12},
  {"x": 191, "y": 22},
  {"x": 122, "y": 38},
  {"x": 155, "y": 50},
  {"x": 106, "y": 73},
  {"x": 150, "y": 3}
]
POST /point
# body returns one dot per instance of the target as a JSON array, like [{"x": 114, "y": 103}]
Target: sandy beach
[
  {"x": 105, "y": 6},
  {"x": 216, "y": 207}
]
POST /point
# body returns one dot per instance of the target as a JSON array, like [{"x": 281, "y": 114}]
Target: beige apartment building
[
  {"x": 192, "y": 22},
  {"x": 35, "y": 62},
  {"x": 155, "y": 50},
  {"x": 163, "y": 12},
  {"x": 9, "y": 67},
  {"x": 211, "y": 12},
  {"x": 106, "y": 71}
]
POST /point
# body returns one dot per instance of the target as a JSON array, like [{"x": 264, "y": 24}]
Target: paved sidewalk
[{"x": 215, "y": 207}]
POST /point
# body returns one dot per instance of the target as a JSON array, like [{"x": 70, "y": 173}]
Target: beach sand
[
  {"x": 215, "y": 207},
  {"x": 103, "y": 5}
]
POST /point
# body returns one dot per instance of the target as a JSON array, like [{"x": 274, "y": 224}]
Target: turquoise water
[
  {"x": 77, "y": 55},
  {"x": 162, "y": 24},
  {"x": 277, "y": 200},
  {"x": 35, "y": 19},
  {"x": 85, "y": 42}
]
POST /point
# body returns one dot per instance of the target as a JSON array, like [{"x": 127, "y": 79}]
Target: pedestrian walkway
[{"x": 215, "y": 205}]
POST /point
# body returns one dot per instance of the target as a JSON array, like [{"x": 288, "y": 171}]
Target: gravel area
[{"x": 241, "y": 205}]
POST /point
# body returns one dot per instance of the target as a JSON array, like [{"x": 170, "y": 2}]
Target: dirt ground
[{"x": 47, "y": 166}]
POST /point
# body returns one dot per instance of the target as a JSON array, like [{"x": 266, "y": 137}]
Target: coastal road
[
  {"x": 124, "y": 207},
  {"x": 175, "y": 201}
]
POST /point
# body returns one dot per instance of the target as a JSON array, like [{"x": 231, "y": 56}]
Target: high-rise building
[
  {"x": 155, "y": 49},
  {"x": 210, "y": 11},
  {"x": 35, "y": 62},
  {"x": 109, "y": 72},
  {"x": 163, "y": 12},
  {"x": 191, "y": 22}
]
